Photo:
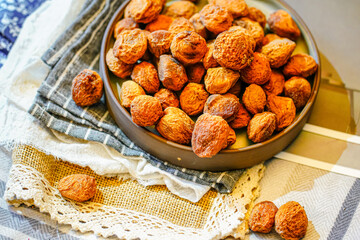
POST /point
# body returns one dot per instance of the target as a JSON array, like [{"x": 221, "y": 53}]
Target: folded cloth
[{"x": 78, "y": 48}]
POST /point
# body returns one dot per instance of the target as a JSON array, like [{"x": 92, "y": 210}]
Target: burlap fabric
[{"x": 125, "y": 208}]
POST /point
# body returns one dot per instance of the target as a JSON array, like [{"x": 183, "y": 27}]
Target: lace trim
[{"x": 226, "y": 217}]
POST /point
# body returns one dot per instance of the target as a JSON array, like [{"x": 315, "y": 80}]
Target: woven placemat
[{"x": 124, "y": 207}]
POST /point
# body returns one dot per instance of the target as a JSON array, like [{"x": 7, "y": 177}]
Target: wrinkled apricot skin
[
  {"x": 117, "y": 67},
  {"x": 209, "y": 136},
  {"x": 176, "y": 126},
  {"x": 130, "y": 46},
  {"x": 220, "y": 80},
  {"x": 275, "y": 85},
  {"x": 129, "y": 91},
  {"x": 281, "y": 23},
  {"x": 258, "y": 72},
  {"x": 299, "y": 90},
  {"x": 146, "y": 110},
  {"x": 234, "y": 49},
  {"x": 181, "y": 9},
  {"x": 225, "y": 106},
  {"x": 254, "y": 99},
  {"x": 195, "y": 72},
  {"x": 162, "y": 22},
  {"x": 254, "y": 28},
  {"x": 171, "y": 73},
  {"x": 167, "y": 98},
  {"x": 242, "y": 118},
  {"x": 237, "y": 8},
  {"x": 159, "y": 42},
  {"x": 199, "y": 27},
  {"x": 269, "y": 38},
  {"x": 145, "y": 74},
  {"x": 284, "y": 109},
  {"x": 193, "y": 98},
  {"x": 215, "y": 18},
  {"x": 144, "y": 11},
  {"x": 87, "y": 88},
  {"x": 209, "y": 60},
  {"x": 278, "y": 51},
  {"x": 78, "y": 187},
  {"x": 301, "y": 65},
  {"x": 257, "y": 15},
  {"x": 262, "y": 217},
  {"x": 124, "y": 24},
  {"x": 181, "y": 24},
  {"x": 291, "y": 221},
  {"x": 231, "y": 139},
  {"x": 188, "y": 47},
  {"x": 261, "y": 127}
]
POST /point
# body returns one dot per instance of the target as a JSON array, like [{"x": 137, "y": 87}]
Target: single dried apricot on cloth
[{"x": 78, "y": 187}]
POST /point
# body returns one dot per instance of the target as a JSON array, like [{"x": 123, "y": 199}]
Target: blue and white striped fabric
[
  {"x": 12, "y": 16},
  {"x": 78, "y": 48}
]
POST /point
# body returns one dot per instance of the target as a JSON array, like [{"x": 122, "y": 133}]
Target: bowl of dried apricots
[{"x": 217, "y": 85}]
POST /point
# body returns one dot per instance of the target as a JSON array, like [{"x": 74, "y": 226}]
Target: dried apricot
[
  {"x": 237, "y": 8},
  {"x": 117, "y": 67},
  {"x": 242, "y": 118},
  {"x": 261, "y": 127},
  {"x": 130, "y": 90},
  {"x": 225, "y": 106},
  {"x": 199, "y": 27},
  {"x": 275, "y": 85},
  {"x": 144, "y": 11},
  {"x": 301, "y": 65},
  {"x": 167, "y": 98},
  {"x": 146, "y": 75},
  {"x": 234, "y": 49},
  {"x": 162, "y": 22},
  {"x": 87, "y": 88},
  {"x": 159, "y": 42},
  {"x": 284, "y": 109},
  {"x": 254, "y": 99},
  {"x": 176, "y": 126},
  {"x": 220, "y": 80},
  {"x": 188, "y": 47},
  {"x": 254, "y": 28},
  {"x": 125, "y": 24},
  {"x": 193, "y": 98},
  {"x": 209, "y": 60},
  {"x": 291, "y": 221},
  {"x": 171, "y": 73},
  {"x": 278, "y": 51},
  {"x": 130, "y": 46},
  {"x": 181, "y": 24},
  {"x": 257, "y": 15},
  {"x": 78, "y": 187},
  {"x": 215, "y": 18},
  {"x": 262, "y": 217},
  {"x": 281, "y": 23},
  {"x": 181, "y": 9},
  {"x": 299, "y": 90},
  {"x": 210, "y": 135},
  {"x": 146, "y": 110},
  {"x": 258, "y": 71}
]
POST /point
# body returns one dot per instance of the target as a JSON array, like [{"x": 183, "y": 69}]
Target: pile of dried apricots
[{"x": 216, "y": 64}]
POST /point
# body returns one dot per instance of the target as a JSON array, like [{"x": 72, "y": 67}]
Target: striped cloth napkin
[{"x": 79, "y": 48}]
